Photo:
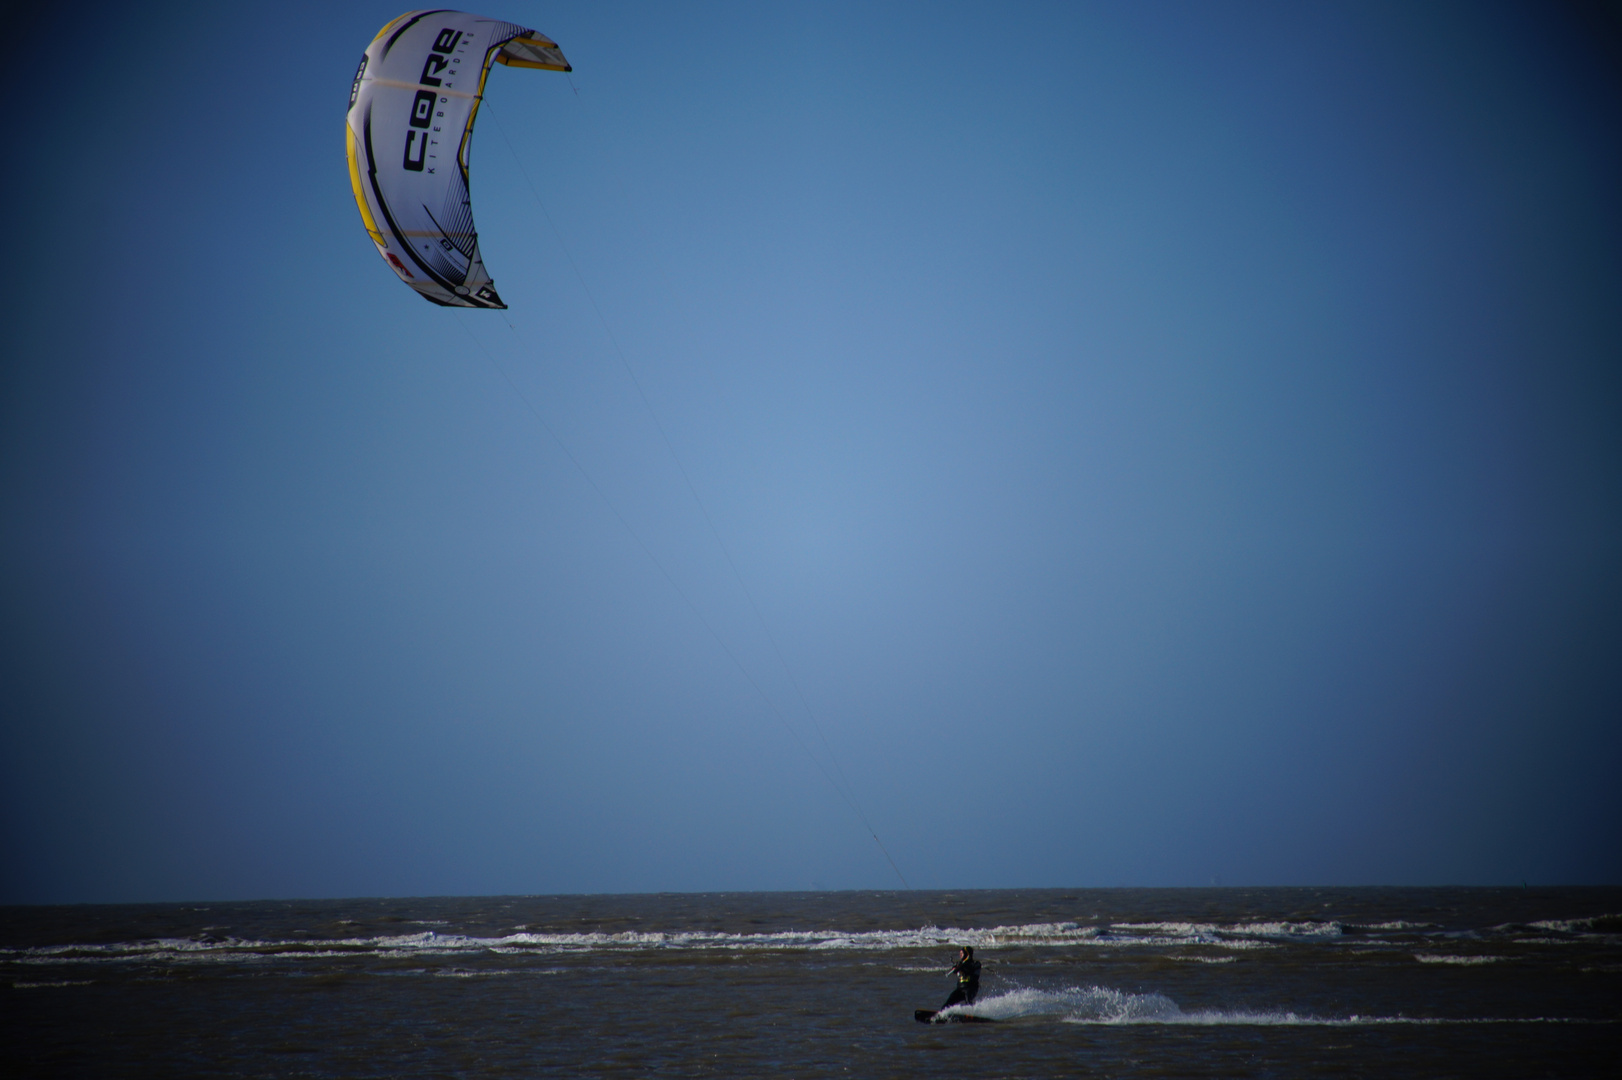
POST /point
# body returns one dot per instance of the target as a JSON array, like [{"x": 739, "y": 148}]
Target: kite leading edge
[{"x": 411, "y": 113}]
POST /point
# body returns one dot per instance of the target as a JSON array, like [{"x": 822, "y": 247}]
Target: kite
[{"x": 410, "y": 123}]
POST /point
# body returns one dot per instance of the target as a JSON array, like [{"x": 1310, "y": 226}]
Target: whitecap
[
  {"x": 1287, "y": 929},
  {"x": 1597, "y": 923}
]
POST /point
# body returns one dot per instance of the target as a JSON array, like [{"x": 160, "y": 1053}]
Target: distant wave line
[{"x": 1172, "y": 936}]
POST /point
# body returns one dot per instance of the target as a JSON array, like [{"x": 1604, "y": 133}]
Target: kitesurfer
[{"x": 967, "y": 970}]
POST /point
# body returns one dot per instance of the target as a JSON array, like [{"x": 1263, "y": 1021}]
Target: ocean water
[{"x": 1096, "y": 982}]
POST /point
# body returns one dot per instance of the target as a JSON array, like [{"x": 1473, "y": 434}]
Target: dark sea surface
[{"x": 1096, "y": 982}]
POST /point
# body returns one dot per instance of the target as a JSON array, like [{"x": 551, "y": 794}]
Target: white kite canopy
[{"x": 410, "y": 122}]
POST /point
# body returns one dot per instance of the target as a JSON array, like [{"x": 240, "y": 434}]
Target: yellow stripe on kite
[
  {"x": 391, "y": 24},
  {"x": 360, "y": 193},
  {"x": 510, "y": 62}
]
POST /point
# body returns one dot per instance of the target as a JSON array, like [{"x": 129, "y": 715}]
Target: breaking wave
[
  {"x": 1294, "y": 930},
  {"x": 1226, "y": 937},
  {"x": 1599, "y": 924},
  {"x": 429, "y": 943}
]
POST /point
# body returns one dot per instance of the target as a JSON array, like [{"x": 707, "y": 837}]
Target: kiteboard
[{"x": 934, "y": 1016}]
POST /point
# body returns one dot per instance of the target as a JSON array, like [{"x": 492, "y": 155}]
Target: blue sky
[{"x": 1164, "y": 444}]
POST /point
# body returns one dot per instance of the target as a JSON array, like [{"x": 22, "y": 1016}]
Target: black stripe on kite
[{"x": 415, "y": 19}]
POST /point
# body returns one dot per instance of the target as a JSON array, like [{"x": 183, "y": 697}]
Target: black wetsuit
[{"x": 968, "y": 983}]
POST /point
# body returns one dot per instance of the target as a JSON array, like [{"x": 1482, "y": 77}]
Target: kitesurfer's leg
[{"x": 957, "y": 996}]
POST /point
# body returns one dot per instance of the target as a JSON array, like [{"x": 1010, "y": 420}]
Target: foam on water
[
  {"x": 1150, "y": 935},
  {"x": 1287, "y": 929},
  {"x": 1095, "y": 1003},
  {"x": 181, "y": 950},
  {"x": 1103, "y": 1005},
  {"x": 928, "y": 937},
  {"x": 1602, "y": 924},
  {"x": 1030, "y": 935},
  {"x": 1217, "y": 932}
]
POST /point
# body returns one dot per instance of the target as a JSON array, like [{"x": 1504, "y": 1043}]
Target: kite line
[{"x": 842, "y": 784}]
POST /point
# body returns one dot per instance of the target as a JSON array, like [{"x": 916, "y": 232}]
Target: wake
[{"x": 1104, "y": 1006}]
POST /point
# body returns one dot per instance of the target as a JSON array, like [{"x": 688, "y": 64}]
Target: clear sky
[{"x": 1165, "y": 444}]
